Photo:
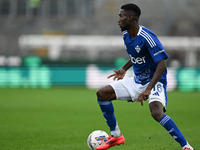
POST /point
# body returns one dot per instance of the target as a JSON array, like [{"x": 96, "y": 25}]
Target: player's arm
[
  {"x": 119, "y": 74},
  {"x": 161, "y": 66}
]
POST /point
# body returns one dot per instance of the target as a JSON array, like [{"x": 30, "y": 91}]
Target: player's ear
[{"x": 131, "y": 18}]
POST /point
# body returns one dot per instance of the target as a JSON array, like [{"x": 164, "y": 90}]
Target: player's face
[{"x": 123, "y": 20}]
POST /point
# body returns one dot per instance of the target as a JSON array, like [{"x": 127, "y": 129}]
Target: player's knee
[
  {"x": 100, "y": 94},
  {"x": 106, "y": 93},
  {"x": 156, "y": 110},
  {"x": 157, "y": 115}
]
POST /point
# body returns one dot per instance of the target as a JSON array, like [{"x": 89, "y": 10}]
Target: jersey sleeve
[{"x": 156, "y": 49}]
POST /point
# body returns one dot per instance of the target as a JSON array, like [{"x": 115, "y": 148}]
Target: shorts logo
[
  {"x": 138, "y": 49},
  {"x": 156, "y": 93}
]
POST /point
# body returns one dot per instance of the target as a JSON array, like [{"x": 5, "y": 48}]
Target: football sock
[
  {"x": 108, "y": 113},
  {"x": 116, "y": 132},
  {"x": 173, "y": 130},
  {"x": 188, "y": 146}
]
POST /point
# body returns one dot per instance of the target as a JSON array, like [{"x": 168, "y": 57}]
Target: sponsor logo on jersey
[
  {"x": 138, "y": 49},
  {"x": 138, "y": 60}
]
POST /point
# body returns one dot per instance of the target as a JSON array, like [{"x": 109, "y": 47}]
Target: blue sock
[
  {"x": 173, "y": 130},
  {"x": 108, "y": 113}
]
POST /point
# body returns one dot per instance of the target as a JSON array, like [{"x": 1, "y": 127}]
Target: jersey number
[{"x": 158, "y": 88}]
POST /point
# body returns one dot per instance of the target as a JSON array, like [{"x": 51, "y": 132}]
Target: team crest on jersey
[{"x": 138, "y": 49}]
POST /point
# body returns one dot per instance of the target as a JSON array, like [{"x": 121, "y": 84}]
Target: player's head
[
  {"x": 132, "y": 9},
  {"x": 129, "y": 13}
]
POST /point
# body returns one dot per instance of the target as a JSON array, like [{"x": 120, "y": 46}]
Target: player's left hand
[{"x": 143, "y": 96}]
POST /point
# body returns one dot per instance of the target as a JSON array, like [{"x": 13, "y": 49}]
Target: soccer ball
[{"x": 96, "y": 138}]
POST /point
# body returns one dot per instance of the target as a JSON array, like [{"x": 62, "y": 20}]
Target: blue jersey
[{"x": 145, "y": 50}]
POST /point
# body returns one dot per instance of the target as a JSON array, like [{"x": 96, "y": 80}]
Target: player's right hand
[
  {"x": 143, "y": 96},
  {"x": 119, "y": 74}
]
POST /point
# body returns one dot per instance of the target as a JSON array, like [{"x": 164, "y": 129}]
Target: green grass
[{"x": 62, "y": 119}]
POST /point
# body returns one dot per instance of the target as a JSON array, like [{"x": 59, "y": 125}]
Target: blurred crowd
[{"x": 90, "y": 17}]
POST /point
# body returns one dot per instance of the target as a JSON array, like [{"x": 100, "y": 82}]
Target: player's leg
[
  {"x": 104, "y": 96},
  {"x": 106, "y": 92},
  {"x": 156, "y": 109},
  {"x": 158, "y": 114},
  {"x": 157, "y": 106}
]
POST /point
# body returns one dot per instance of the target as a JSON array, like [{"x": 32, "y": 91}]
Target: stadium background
[
  {"x": 54, "y": 54},
  {"x": 41, "y": 39}
]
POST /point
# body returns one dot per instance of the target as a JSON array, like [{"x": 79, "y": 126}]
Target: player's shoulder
[
  {"x": 145, "y": 32},
  {"x": 125, "y": 33},
  {"x": 148, "y": 36}
]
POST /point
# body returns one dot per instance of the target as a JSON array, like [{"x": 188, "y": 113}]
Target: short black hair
[{"x": 132, "y": 7}]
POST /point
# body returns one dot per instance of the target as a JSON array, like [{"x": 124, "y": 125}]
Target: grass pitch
[{"x": 62, "y": 119}]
